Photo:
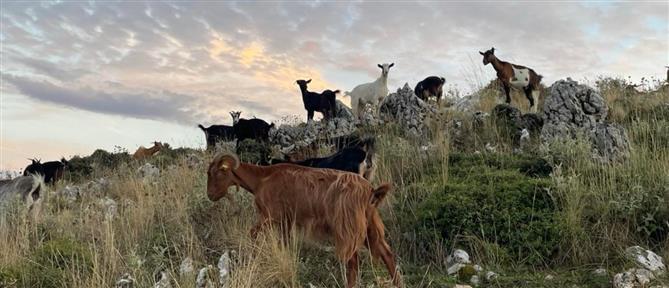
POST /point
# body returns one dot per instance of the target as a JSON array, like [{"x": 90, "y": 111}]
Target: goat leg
[{"x": 352, "y": 270}]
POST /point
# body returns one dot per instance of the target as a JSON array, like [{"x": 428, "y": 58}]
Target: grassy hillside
[{"x": 547, "y": 210}]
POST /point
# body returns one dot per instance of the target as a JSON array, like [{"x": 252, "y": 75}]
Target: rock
[
  {"x": 511, "y": 117},
  {"x": 202, "y": 280},
  {"x": 126, "y": 281},
  {"x": 148, "y": 172},
  {"x": 490, "y": 276},
  {"x": 478, "y": 119},
  {"x": 572, "y": 109},
  {"x": 475, "y": 280},
  {"x": 461, "y": 286},
  {"x": 490, "y": 148},
  {"x": 458, "y": 256},
  {"x": 186, "y": 266},
  {"x": 109, "y": 208},
  {"x": 549, "y": 277},
  {"x": 98, "y": 186},
  {"x": 600, "y": 272},
  {"x": 70, "y": 193},
  {"x": 646, "y": 259},
  {"x": 478, "y": 268},
  {"x": 407, "y": 110},
  {"x": 452, "y": 269},
  {"x": 467, "y": 103},
  {"x": 162, "y": 280},
  {"x": 224, "y": 268},
  {"x": 633, "y": 278}
]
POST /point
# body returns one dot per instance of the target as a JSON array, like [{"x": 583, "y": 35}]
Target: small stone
[
  {"x": 475, "y": 280},
  {"x": 126, "y": 281},
  {"x": 186, "y": 266},
  {"x": 454, "y": 268},
  {"x": 458, "y": 256},
  {"x": 163, "y": 280},
  {"x": 224, "y": 267},
  {"x": 478, "y": 268},
  {"x": 202, "y": 280},
  {"x": 600, "y": 272},
  {"x": 549, "y": 277},
  {"x": 490, "y": 276}
]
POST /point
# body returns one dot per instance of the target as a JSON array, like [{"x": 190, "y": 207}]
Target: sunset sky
[{"x": 82, "y": 75}]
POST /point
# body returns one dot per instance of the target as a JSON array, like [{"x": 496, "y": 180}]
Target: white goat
[{"x": 370, "y": 93}]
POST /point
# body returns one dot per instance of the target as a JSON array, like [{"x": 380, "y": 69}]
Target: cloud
[{"x": 165, "y": 105}]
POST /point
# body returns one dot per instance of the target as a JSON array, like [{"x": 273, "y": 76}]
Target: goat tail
[
  {"x": 201, "y": 127},
  {"x": 336, "y": 91}
]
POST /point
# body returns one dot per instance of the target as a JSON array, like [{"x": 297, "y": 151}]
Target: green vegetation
[{"x": 547, "y": 210}]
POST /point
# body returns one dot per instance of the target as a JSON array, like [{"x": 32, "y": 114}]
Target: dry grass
[{"x": 158, "y": 224}]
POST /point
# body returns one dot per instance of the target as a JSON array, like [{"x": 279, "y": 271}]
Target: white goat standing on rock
[{"x": 370, "y": 93}]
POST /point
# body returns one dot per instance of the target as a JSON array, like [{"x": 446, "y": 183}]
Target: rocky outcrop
[
  {"x": 511, "y": 117},
  {"x": 288, "y": 138},
  {"x": 572, "y": 110},
  {"x": 407, "y": 110},
  {"x": 646, "y": 259}
]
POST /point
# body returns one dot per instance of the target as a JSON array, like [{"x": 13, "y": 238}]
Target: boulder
[
  {"x": 571, "y": 110},
  {"x": 407, "y": 110},
  {"x": 646, "y": 259}
]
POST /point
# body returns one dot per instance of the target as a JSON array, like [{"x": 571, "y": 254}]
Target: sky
[{"x": 81, "y": 75}]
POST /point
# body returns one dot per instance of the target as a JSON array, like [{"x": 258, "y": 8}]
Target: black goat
[
  {"x": 430, "y": 86},
  {"x": 52, "y": 170},
  {"x": 255, "y": 129},
  {"x": 323, "y": 102},
  {"x": 357, "y": 158},
  {"x": 217, "y": 133}
]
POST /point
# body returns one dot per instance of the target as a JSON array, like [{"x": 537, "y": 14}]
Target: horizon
[{"x": 83, "y": 76}]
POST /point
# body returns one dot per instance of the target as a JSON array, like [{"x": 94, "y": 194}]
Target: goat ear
[
  {"x": 492, "y": 50},
  {"x": 308, "y": 81},
  {"x": 391, "y": 65},
  {"x": 481, "y": 53},
  {"x": 379, "y": 66},
  {"x": 379, "y": 194}
]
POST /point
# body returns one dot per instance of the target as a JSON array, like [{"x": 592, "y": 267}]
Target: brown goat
[
  {"x": 513, "y": 75},
  {"x": 143, "y": 153},
  {"x": 326, "y": 204}
]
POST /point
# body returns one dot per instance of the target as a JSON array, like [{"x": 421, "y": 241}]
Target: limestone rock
[
  {"x": 407, "y": 110},
  {"x": 186, "y": 266},
  {"x": 572, "y": 110},
  {"x": 162, "y": 280},
  {"x": 646, "y": 259},
  {"x": 148, "y": 172},
  {"x": 126, "y": 281}
]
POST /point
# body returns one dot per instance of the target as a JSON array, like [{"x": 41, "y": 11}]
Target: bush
[{"x": 490, "y": 198}]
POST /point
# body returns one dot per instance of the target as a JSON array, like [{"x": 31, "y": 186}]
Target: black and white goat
[
  {"x": 324, "y": 102},
  {"x": 217, "y": 133},
  {"x": 52, "y": 170}
]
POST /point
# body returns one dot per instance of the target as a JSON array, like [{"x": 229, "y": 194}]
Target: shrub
[{"x": 496, "y": 203}]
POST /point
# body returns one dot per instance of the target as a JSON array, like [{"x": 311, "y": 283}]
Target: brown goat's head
[
  {"x": 488, "y": 56},
  {"x": 220, "y": 175},
  {"x": 235, "y": 116}
]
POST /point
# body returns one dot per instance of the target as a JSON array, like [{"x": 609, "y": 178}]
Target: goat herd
[{"x": 337, "y": 203}]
